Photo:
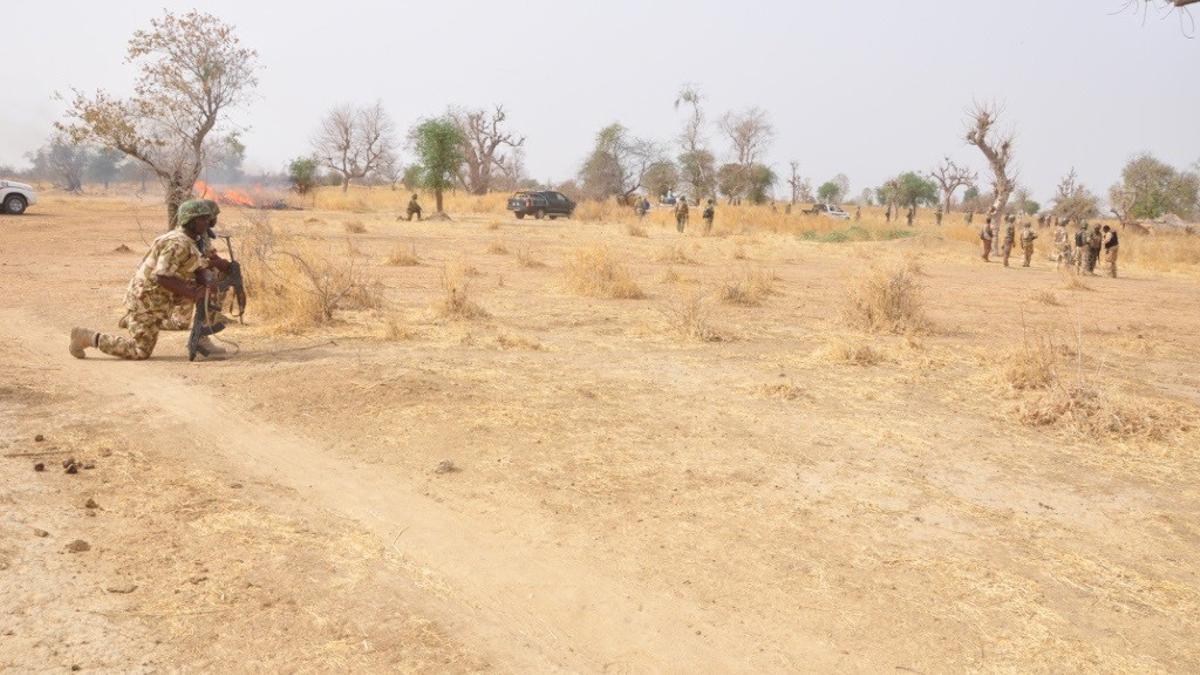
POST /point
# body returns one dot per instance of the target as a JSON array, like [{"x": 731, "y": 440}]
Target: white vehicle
[
  {"x": 831, "y": 211},
  {"x": 16, "y": 197}
]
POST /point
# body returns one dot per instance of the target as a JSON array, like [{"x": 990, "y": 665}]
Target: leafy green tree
[
  {"x": 731, "y": 182},
  {"x": 302, "y": 174},
  {"x": 662, "y": 177},
  {"x": 830, "y": 193},
  {"x": 412, "y": 176},
  {"x": 438, "y": 145},
  {"x": 1151, "y": 188},
  {"x": 913, "y": 190},
  {"x": 759, "y": 181}
]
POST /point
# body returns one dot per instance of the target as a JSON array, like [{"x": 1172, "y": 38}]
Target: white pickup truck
[{"x": 16, "y": 197}]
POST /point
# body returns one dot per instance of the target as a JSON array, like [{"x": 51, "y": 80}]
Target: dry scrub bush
[
  {"x": 739, "y": 252},
  {"x": 596, "y": 272},
  {"x": 456, "y": 302},
  {"x": 394, "y": 330},
  {"x": 354, "y": 227},
  {"x": 912, "y": 263},
  {"x": 689, "y": 317},
  {"x": 673, "y": 254},
  {"x": 748, "y": 289},
  {"x": 402, "y": 256},
  {"x": 1047, "y": 298},
  {"x": 635, "y": 230},
  {"x": 497, "y": 247},
  {"x": 1036, "y": 365},
  {"x": 670, "y": 276},
  {"x": 303, "y": 283},
  {"x": 506, "y": 341},
  {"x": 886, "y": 301},
  {"x": 525, "y": 258},
  {"x": 839, "y": 350},
  {"x": 783, "y": 392},
  {"x": 1072, "y": 282},
  {"x": 494, "y": 225}
]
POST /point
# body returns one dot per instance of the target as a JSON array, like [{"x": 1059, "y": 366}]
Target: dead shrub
[
  {"x": 394, "y": 330},
  {"x": 783, "y": 392},
  {"x": 525, "y": 258},
  {"x": 1084, "y": 408},
  {"x": 456, "y": 302},
  {"x": 689, "y": 316},
  {"x": 1072, "y": 282},
  {"x": 839, "y": 350},
  {"x": 1047, "y": 298},
  {"x": 748, "y": 289},
  {"x": 886, "y": 301},
  {"x": 497, "y": 247},
  {"x": 739, "y": 252},
  {"x": 596, "y": 272},
  {"x": 674, "y": 254},
  {"x": 354, "y": 227},
  {"x": 635, "y": 230},
  {"x": 402, "y": 256},
  {"x": 1036, "y": 365}
]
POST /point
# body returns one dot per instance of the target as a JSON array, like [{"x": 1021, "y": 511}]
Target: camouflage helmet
[
  {"x": 192, "y": 209},
  {"x": 212, "y": 204}
]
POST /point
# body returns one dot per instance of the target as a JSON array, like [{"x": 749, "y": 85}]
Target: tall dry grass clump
[
  {"x": 748, "y": 289},
  {"x": 404, "y": 256},
  {"x": 497, "y": 247},
  {"x": 525, "y": 258},
  {"x": 456, "y": 303},
  {"x": 354, "y": 227},
  {"x": 596, "y": 272},
  {"x": 689, "y": 317},
  {"x": 673, "y": 254},
  {"x": 302, "y": 283},
  {"x": 841, "y": 350},
  {"x": 886, "y": 300},
  {"x": 635, "y": 230}
]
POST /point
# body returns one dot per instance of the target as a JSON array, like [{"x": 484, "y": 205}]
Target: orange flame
[
  {"x": 237, "y": 198},
  {"x": 228, "y": 197}
]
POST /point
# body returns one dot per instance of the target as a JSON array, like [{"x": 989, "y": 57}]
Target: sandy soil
[{"x": 627, "y": 500}]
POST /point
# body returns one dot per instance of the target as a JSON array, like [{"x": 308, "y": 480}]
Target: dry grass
[
  {"x": 1047, "y": 297},
  {"x": 456, "y": 303},
  {"x": 1035, "y": 365},
  {"x": 394, "y": 330},
  {"x": 841, "y": 350},
  {"x": 497, "y": 247},
  {"x": 782, "y": 391},
  {"x": 596, "y": 272},
  {"x": 739, "y": 252},
  {"x": 1094, "y": 411},
  {"x": 1072, "y": 282},
  {"x": 689, "y": 317},
  {"x": 525, "y": 258},
  {"x": 507, "y": 341},
  {"x": 404, "y": 256},
  {"x": 635, "y": 230},
  {"x": 670, "y": 276},
  {"x": 494, "y": 225},
  {"x": 748, "y": 289},
  {"x": 886, "y": 301},
  {"x": 354, "y": 227},
  {"x": 673, "y": 254}
]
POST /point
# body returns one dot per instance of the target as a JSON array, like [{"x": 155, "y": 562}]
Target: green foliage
[
  {"x": 731, "y": 181},
  {"x": 1032, "y": 207},
  {"x": 661, "y": 177},
  {"x": 302, "y": 174},
  {"x": 438, "y": 145},
  {"x": 1156, "y": 188},
  {"x": 914, "y": 190},
  {"x": 759, "y": 181},
  {"x": 971, "y": 193},
  {"x": 830, "y": 193},
  {"x": 412, "y": 176}
]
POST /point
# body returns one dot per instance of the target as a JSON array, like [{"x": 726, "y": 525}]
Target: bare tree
[
  {"x": 795, "y": 182},
  {"x": 1073, "y": 201},
  {"x": 1166, "y": 8},
  {"x": 696, "y": 163},
  {"x": 949, "y": 177},
  {"x": 354, "y": 142},
  {"x": 618, "y": 164},
  {"x": 749, "y": 132},
  {"x": 62, "y": 160},
  {"x": 193, "y": 70},
  {"x": 483, "y": 137},
  {"x": 997, "y": 149}
]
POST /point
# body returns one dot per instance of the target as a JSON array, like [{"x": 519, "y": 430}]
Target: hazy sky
[{"x": 867, "y": 88}]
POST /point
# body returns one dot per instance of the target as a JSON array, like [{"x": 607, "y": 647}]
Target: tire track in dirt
[{"x": 532, "y": 605}]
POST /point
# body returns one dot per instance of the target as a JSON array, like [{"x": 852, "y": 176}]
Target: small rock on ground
[{"x": 78, "y": 546}]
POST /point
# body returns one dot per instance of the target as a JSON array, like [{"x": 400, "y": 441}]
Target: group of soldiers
[
  {"x": 176, "y": 273},
  {"x": 642, "y": 207},
  {"x": 1080, "y": 252}
]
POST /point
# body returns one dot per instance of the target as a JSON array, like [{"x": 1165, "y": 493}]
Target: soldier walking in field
[
  {"x": 1062, "y": 245},
  {"x": 168, "y": 271},
  {"x": 912, "y": 213},
  {"x": 1095, "y": 241},
  {"x": 414, "y": 208},
  {"x": 986, "y": 233},
  {"x": 887, "y": 214},
  {"x": 681, "y": 214},
  {"x": 1006, "y": 244},
  {"x": 1111, "y": 245},
  {"x": 710, "y": 212},
  {"x": 937, "y": 217},
  {"x": 968, "y": 217},
  {"x": 857, "y": 213},
  {"x": 1027, "y": 237}
]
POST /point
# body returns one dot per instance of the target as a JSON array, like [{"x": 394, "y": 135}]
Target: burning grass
[
  {"x": 886, "y": 300},
  {"x": 596, "y": 272}
]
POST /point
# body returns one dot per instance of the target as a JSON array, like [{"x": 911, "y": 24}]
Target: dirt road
[{"x": 626, "y": 502}]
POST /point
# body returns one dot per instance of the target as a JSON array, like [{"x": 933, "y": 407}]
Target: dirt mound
[{"x": 122, "y": 249}]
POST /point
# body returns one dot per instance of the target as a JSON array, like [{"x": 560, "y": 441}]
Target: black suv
[{"x": 540, "y": 204}]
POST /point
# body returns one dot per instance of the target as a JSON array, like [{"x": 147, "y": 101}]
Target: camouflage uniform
[
  {"x": 148, "y": 305},
  {"x": 182, "y": 309},
  {"x": 414, "y": 209},
  {"x": 1027, "y": 237},
  {"x": 710, "y": 213},
  {"x": 1062, "y": 246},
  {"x": 1006, "y": 245},
  {"x": 937, "y": 216},
  {"x": 1094, "y": 241},
  {"x": 1111, "y": 245},
  {"x": 681, "y": 214},
  {"x": 985, "y": 235}
]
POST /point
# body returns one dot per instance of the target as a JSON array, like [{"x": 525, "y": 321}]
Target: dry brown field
[{"x": 590, "y": 445}]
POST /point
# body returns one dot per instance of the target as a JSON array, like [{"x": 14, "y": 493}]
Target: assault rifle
[{"x": 202, "y": 327}]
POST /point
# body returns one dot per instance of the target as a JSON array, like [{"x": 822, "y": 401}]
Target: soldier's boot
[
  {"x": 81, "y": 339},
  {"x": 124, "y": 322},
  {"x": 209, "y": 349}
]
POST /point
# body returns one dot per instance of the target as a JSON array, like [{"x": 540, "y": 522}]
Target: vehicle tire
[
  {"x": 539, "y": 214},
  {"x": 519, "y": 215},
  {"x": 14, "y": 205},
  {"x": 553, "y": 216}
]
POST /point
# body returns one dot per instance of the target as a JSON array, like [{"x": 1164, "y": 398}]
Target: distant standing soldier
[
  {"x": 1111, "y": 244},
  {"x": 937, "y": 216},
  {"x": 1011, "y": 219},
  {"x": 1062, "y": 245},
  {"x": 681, "y": 214},
  {"x": 1027, "y": 237},
  {"x": 1081, "y": 244},
  {"x": 887, "y": 214},
  {"x": 414, "y": 208},
  {"x": 1006, "y": 245},
  {"x": 640, "y": 207},
  {"x": 857, "y": 213},
  {"x": 1095, "y": 242},
  {"x": 968, "y": 217},
  {"x": 912, "y": 213},
  {"x": 986, "y": 233},
  {"x": 710, "y": 212}
]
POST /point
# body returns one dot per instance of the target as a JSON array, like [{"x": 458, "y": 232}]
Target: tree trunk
[
  {"x": 946, "y": 202},
  {"x": 177, "y": 193},
  {"x": 345, "y": 183},
  {"x": 437, "y": 199}
]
